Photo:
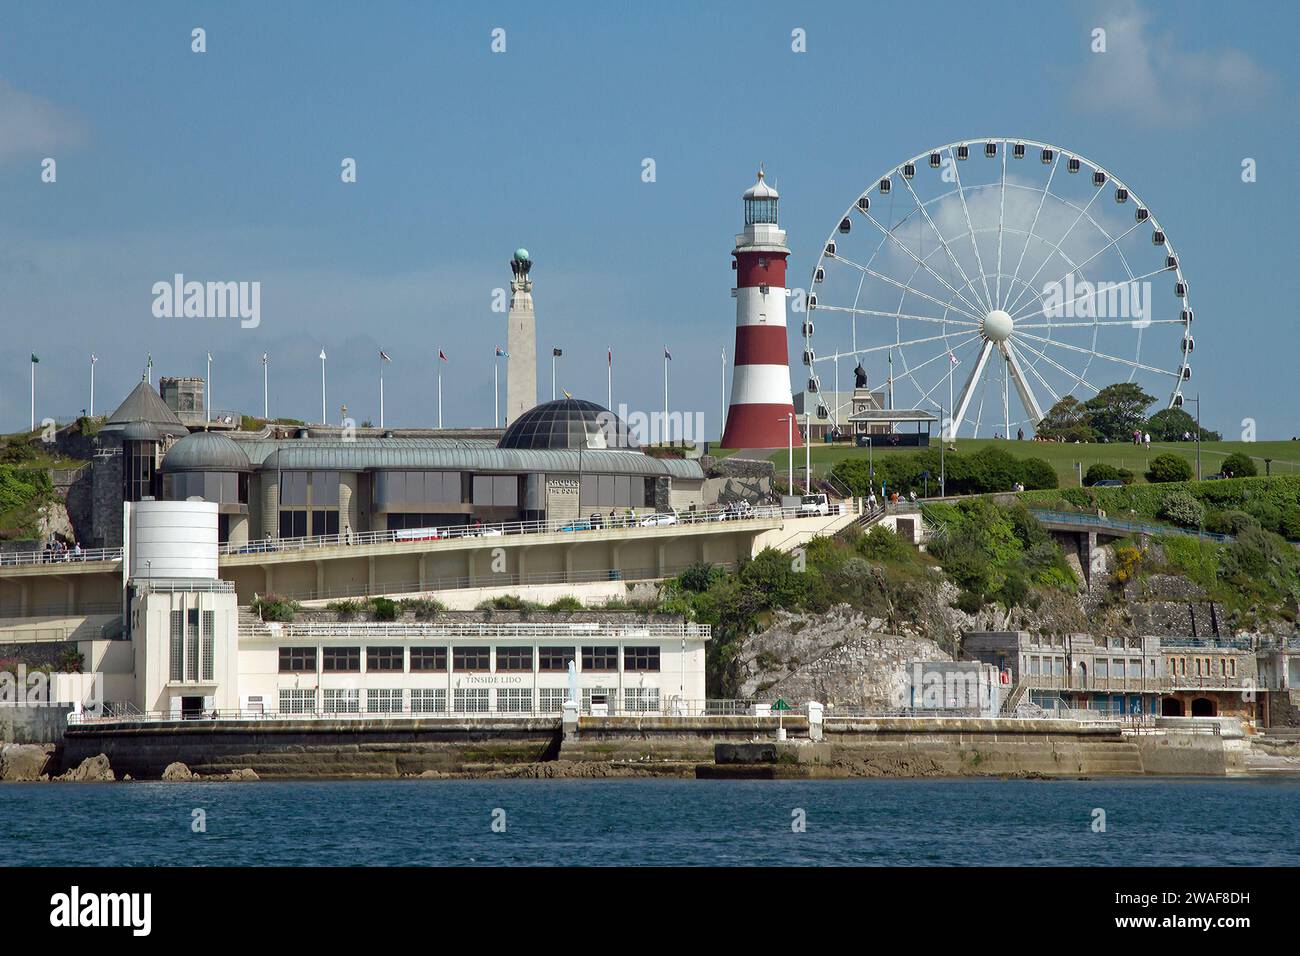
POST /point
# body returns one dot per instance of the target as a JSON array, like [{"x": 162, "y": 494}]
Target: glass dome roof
[{"x": 568, "y": 423}]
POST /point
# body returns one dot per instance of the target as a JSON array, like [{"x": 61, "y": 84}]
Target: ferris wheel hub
[{"x": 996, "y": 326}]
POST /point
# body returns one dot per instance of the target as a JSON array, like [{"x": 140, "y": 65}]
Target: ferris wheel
[{"x": 989, "y": 279}]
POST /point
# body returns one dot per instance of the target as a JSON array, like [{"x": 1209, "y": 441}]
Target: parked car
[
  {"x": 664, "y": 518},
  {"x": 576, "y": 526},
  {"x": 1108, "y": 483}
]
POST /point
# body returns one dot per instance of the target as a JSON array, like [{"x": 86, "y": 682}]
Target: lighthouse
[{"x": 760, "y": 411}]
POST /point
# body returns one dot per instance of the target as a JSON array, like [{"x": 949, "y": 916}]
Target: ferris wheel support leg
[
  {"x": 968, "y": 390},
  {"x": 1027, "y": 397}
]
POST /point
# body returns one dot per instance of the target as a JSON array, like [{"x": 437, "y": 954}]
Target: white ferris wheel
[{"x": 990, "y": 278}]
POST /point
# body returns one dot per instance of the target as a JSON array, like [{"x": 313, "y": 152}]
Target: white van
[{"x": 814, "y": 505}]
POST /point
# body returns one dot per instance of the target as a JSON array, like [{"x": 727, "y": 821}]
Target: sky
[{"x": 225, "y": 165}]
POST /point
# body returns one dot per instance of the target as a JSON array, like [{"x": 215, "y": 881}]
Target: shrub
[
  {"x": 1238, "y": 465},
  {"x": 506, "y": 602},
  {"x": 1289, "y": 526},
  {"x": 346, "y": 610},
  {"x": 422, "y": 609},
  {"x": 1182, "y": 509},
  {"x": 1100, "y": 472},
  {"x": 566, "y": 603},
  {"x": 383, "y": 609},
  {"x": 881, "y": 544},
  {"x": 969, "y": 601},
  {"x": 1230, "y": 522},
  {"x": 1037, "y": 474},
  {"x": 272, "y": 607},
  {"x": 1128, "y": 561},
  {"x": 1168, "y": 467},
  {"x": 698, "y": 577}
]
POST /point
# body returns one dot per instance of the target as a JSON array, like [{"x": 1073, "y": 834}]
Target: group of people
[
  {"x": 1143, "y": 438},
  {"x": 892, "y": 499}
]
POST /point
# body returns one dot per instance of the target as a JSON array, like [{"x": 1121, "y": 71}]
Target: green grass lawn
[{"x": 1285, "y": 455}]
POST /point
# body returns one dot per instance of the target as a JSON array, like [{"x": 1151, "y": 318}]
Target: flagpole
[
  {"x": 496, "y": 393},
  {"x": 33, "y": 428},
  {"x": 266, "y": 390},
  {"x": 552, "y": 374},
  {"x": 92, "y": 386},
  {"x": 323, "y": 419},
  {"x": 609, "y": 381},
  {"x": 667, "y": 433},
  {"x": 722, "y": 408},
  {"x": 207, "y": 392},
  {"x": 951, "y": 365},
  {"x": 440, "y": 391},
  {"x": 381, "y": 392}
]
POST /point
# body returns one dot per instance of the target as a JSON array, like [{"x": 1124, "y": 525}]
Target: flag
[
  {"x": 322, "y": 355},
  {"x": 566, "y": 393},
  {"x": 93, "y": 358},
  {"x": 442, "y": 355},
  {"x": 263, "y": 358},
  {"x": 150, "y": 362},
  {"x": 502, "y": 352},
  {"x": 611, "y": 358},
  {"x": 209, "y": 356},
  {"x": 556, "y": 352},
  {"x": 667, "y": 354},
  {"x": 383, "y": 356},
  {"x": 35, "y": 358}
]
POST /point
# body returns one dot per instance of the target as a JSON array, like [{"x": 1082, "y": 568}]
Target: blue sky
[{"x": 225, "y": 166}]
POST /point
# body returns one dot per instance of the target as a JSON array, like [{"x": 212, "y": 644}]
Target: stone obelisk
[{"x": 521, "y": 340}]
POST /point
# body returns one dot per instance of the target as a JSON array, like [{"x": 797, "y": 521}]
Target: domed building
[
  {"x": 569, "y": 423},
  {"x": 211, "y": 467}
]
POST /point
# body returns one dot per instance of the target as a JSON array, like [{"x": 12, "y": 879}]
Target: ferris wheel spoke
[
  {"x": 897, "y": 345},
  {"x": 1044, "y": 382},
  {"x": 1060, "y": 243},
  {"x": 1002, "y": 209},
  {"x": 1129, "y": 324},
  {"x": 895, "y": 315},
  {"x": 901, "y": 285},
  {"x": 1092, "y": 294},
  {"x": 942, "y": 241},
  {"x": 1102, "y": 355},
  {"x": 1027, "y": 397},
  {"x": 1038, "y": 212},
  {"x": 1079, "y": 379},
  {"x": 1103, "y": 249},
  {"x": 921, "y": 262},
  {"x": 979, "y": 260}
]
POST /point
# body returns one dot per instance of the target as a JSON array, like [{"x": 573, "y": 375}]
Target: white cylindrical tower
[
  {"x": 173, "y": 539},
  {"x": 760, "y": 409}
]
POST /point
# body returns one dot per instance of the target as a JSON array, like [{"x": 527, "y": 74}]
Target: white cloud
[
  {"x": 1146, "y": 76},
  {"x": 32, "y": 124}
]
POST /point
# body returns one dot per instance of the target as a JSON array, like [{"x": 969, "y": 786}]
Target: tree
[
  {"x": 1067, "y": 420},
  {"x": 1036, "y": 473},
  {"x": 1167, "y": 467},
  {"x": 1118, "y": 410},
  {"x": 1171, "y": 424},
  {"x": 1238, "y": 465},
  {"x": 1101, "y": 472}
]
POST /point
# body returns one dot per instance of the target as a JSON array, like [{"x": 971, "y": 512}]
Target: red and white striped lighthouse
[{"x": 758, "y": 416}]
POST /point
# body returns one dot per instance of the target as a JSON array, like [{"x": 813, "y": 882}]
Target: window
[
  {"x": 428, "y": 700},
  {"x": 209, "y": 643},
  {"x": 297, "y": 660},
  {"x": 554, "y": 658},
  {"x": 641, "y": 659},
  {"x": 342, "y": 700},
  {"x": 515, "y": 700},
  {"x": 1118, "y": 668},
  {"x": 428, "y": 659},
  {"x": 1232, "y": 664},
  {"x": 342, "y": 659},
  {"x": 174, "y": 671},
  {"x": 384, "y": 700},
  {"x": 600, "y": 658},
  {"x": 192, "y": 644},
  {"x": 471, "y": 659},
  {"x": 298, "y": 701},
  {"x": 552, "y": 699},
  {"x": 496, "y": 490},
  {"x": 470, "y": 700},
  {"x": 1058, "y": 666},
  {"x": 606, "y": 692},
  {"x": 1035, "y": 663},
  {"x": 640, "y": 700},
  {"x": 385, "y": 659},
  {"x": 514, "y": 659},
  {"x": 309, "y": 503},
  {"x": 1103, "y": 668}
]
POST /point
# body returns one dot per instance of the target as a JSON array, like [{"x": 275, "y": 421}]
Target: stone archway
[
  {"x": 1204, "y": 707},
  {"x": 1171, "y": 707}
]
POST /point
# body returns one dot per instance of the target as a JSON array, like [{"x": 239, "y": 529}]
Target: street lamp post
[
  {"x": 789, "y": 417},
  {"x": 1197, "y": 400}
]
